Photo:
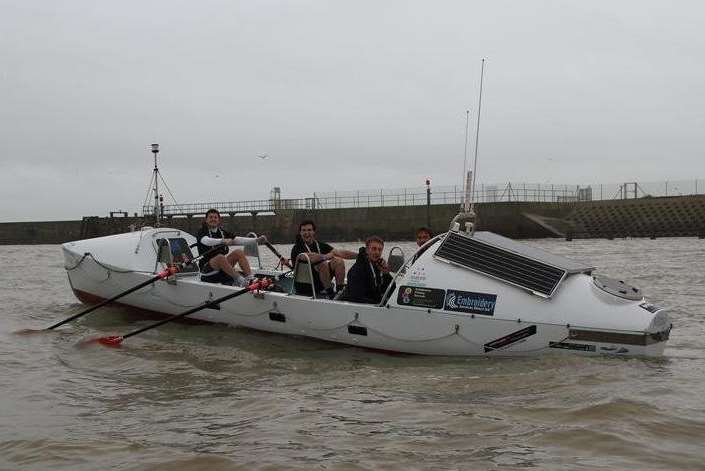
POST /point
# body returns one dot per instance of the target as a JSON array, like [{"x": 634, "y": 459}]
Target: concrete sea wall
[
  {"x": 670, "y": 216},
  {"x": 644, "y": 217}
]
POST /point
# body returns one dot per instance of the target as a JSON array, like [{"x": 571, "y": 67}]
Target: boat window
[
  {"x": 180, "y": 250},
  {"x": 175, "y": 250}
]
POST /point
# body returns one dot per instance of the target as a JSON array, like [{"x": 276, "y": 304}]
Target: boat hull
[{"x": 389, "y": 327}]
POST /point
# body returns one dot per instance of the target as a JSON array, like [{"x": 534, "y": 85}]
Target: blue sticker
[{"x": 473, "y": 303}]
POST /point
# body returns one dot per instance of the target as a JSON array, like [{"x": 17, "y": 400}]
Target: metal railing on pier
[{"x": 486, "y": 193}]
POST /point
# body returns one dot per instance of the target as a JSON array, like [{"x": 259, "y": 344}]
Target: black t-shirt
[
  {"x": 315, "y": 247},
  {"x": 214, "y": 234}
]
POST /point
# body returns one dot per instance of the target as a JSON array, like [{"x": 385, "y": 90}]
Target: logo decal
[
  {"x": 417, "y": 276},
  {"x": 473, "y": 303},
  {"x": 421, "y": 297},
  {"x": 406, "y": 295}
]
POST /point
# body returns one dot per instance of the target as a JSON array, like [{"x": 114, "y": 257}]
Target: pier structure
[
  {"x": 507, "y": 192},
  {"x": 421, "y": 196},
  {"x": 655, "y": 217},
  {"x": 515, "y": 210}
]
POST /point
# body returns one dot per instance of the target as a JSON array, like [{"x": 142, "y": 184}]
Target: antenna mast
[
  {"x": 467, "y": 211},
  {"x": 466, "y": 202},
  {"x": 477, "y": 137}
]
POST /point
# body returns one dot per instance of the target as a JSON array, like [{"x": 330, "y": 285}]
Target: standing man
[
  {"x": 369, "y": 277},
  {"x": 327, "y": 261},
  {"x": 220, "y": 262}
]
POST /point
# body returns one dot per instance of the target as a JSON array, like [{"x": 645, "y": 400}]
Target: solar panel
[{"x": 497, "y": 262}]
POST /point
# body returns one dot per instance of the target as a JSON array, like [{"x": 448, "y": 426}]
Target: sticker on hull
[
  {"x": 472, "y": 303},
  {"x": 582, "y": 347},
  {"x": 510, "y": 339},
  {"x": 421, "y": 297}
]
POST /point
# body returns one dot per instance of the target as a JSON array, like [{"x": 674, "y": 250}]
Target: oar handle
[
  {"x": 276, "y": 252},
  {"x": 257, "y": 285},
  {"x": 159, "y": 276},
  {"x": 207, "y": 252}
]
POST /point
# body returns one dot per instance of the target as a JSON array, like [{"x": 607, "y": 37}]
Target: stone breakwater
[{"x": 642, "y": 217}]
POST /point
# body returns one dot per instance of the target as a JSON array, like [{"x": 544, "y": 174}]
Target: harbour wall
[{"x": 642, "y": 217}]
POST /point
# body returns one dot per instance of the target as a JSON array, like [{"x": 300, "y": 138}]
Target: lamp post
[{"x": 428, "y": 203}]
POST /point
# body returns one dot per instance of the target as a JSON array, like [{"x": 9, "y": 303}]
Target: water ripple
[{"x": 208, "y": 397}]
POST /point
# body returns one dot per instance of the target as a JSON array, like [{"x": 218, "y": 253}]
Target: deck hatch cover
[{"x": 519, "y": 270}]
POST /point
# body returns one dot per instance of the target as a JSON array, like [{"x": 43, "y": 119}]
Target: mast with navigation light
[
  {"x": 153, "y": 192},
  {"x": 155, "y": 176}
]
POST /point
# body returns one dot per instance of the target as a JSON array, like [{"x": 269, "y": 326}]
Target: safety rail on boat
[
  {"x": 405, "y": 266},
  {"x": 251, "y": 249}
]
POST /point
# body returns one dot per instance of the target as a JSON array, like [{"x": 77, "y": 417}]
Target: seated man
[
  {"x": 219, "y": 266},
  {"x": 326, "y": 261},
  {"x": 423, "y": 235},
  {"x": 369, "y": 277}
]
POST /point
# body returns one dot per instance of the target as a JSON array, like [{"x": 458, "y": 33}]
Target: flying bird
[{"x": 263, "y": 156}]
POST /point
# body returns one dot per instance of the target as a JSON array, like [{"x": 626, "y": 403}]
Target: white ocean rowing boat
[{"x": 460, "y": 294}]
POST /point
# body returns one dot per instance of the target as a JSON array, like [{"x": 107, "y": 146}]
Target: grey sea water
[{"x": 193, "y": 397}]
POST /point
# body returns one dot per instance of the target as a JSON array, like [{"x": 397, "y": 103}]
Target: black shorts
[{"x": 218, "y": 277}]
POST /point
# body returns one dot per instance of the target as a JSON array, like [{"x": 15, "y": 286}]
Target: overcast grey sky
[{"x": 341, "y": 95}]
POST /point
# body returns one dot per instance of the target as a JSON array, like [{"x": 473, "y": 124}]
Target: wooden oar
[{"x": 115, "y": 341}]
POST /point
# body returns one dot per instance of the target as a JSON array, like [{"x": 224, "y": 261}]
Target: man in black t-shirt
[
  {"x": 212, "y": 235},
  {"x": 327, "y": 261}
]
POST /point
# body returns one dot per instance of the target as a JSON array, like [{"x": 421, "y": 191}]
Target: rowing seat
[
  {"x": 395, "y": 260},
  {"x": 304, "y": 283}
]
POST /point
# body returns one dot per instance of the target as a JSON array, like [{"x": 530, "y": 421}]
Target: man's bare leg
[
  {"x": 338, "y": 268},
  {"x": 237, "y": 257},
  {"x": 220, "y": 262},
  {"x": 324, "y": 274}
]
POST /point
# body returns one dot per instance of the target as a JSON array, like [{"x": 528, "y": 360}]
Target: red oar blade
[{"x": 110, "y": 341}]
